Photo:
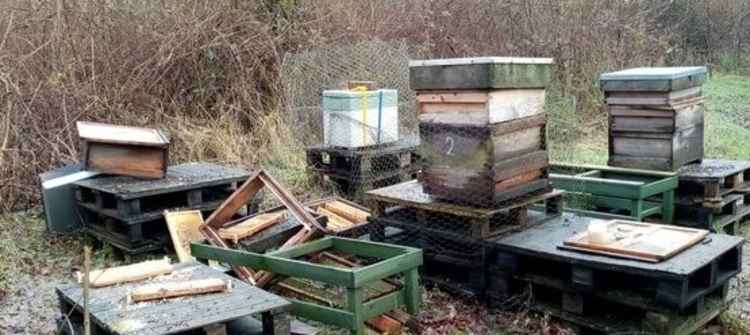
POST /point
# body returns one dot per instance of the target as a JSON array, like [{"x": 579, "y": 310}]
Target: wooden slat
[
  {"x": 251, "y": 226},
  {"x": 128, "y": 273},
  {"x": 178, "y": 289},
  {"x": 350, "y": 212}
]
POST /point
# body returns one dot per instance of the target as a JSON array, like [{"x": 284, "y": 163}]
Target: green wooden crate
[
  {"x": 640, "y": 192},
  {"x": 392, "y": 260}
]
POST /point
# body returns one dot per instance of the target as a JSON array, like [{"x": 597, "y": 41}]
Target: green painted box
[
  {"x": 641, "y": 193},
  {"x": 480, "y": 73},
  {"x": 389, "y": 261}
]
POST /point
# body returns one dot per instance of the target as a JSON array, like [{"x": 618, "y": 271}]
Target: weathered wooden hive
[
  {"x": 655, "y": 116},
  {"x": 482, "y": 126}
]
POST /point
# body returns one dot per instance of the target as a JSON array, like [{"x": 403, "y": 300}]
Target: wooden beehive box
[
  {"x": 655, "y": 117},
  {"x": 484, "y": 164},
  {"x": 480, "y": 73},
  {"x": 121, "y": 150},
  {"x": 478, "y": 107}
]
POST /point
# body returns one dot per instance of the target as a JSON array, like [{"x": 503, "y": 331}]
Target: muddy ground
[{"x": 33, "y": 263}]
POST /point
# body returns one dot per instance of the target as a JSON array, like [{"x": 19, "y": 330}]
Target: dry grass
[{"x": 208, "y": 72}]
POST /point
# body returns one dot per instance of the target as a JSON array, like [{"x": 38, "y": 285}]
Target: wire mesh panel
[{"x": 353, "y": 108}]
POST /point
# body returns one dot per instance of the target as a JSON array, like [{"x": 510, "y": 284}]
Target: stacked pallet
[
  {"x": 655, "y": 117},
  {"x": 452, "y": 237},
  {"x": 127, "y": 212},
  {"x": 614, "y": 295},
  {"x": 713, "y": 194},
  {"x": 354, "y": 171},
  {"x": 482, "y": 127}
]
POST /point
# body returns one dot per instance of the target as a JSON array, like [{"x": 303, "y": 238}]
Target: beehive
[
  {"x": 655, "y": 117},
  {"x": 482, "y": 127},
  {"x": 354, "y": 118}
]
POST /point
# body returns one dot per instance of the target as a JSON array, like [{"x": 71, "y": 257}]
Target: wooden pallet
[
  {"x": 365, "y": 163},
  {"x": 597, "y": 316},
  {"x": 711, "y": 180},
  {"x": 476, "y": 222},
  {"x": 640, "y": 193},
  {"x": 675, "y": 283},
  {"x": 724, "y": 219},
  {"x": 128, "y": 212},
  {"x": 200, "y": 314}
]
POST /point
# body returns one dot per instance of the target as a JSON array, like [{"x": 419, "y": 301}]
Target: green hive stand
[
  {"x": 392, "y": 260},
  {"x": 641, "y": 192}
]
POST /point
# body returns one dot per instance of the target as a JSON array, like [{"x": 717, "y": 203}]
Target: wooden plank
[
  {"x": 351, "y": 213},
  {"x": 641, "y": 241},
  {"x": 128, "y": 273},
  {"x": 184, "y": 228},
  {"x": 178, "y": 289},
  {"x": 109, "y": 133},
  {"x": 251, "y": 226},
  {"x": 385, "y": 325}
]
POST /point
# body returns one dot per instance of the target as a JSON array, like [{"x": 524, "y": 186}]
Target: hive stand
[
  {"x": 199, "y": 314},
  {"x": 128, "y": 212},
  {"x": 580, "y": 286},
  {"x": 641, "y": 193},
  {"x": 390, "y": 261},
  {"x": 713, "y": 195},
  {"x": 452, "y": 236},
  {"x": 357, "y": 170}
]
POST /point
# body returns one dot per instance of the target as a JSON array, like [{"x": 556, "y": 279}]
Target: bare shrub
[{"x": 208, "y": 71}]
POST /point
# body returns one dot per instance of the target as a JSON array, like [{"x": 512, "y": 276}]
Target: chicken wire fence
[
  {"x": 352, "y": 107},
  {"x": 434, "y": 178}
]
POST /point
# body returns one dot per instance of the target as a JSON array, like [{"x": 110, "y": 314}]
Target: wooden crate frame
[
  {"x": 394, "y": 260},
  {"x": 638, "y": 191}
]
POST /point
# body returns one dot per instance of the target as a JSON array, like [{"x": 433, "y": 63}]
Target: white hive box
[{"x": 359, "y": 118}]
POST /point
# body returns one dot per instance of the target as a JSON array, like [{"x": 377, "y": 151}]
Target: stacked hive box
[
  {"x": 655, "y": 117},
  {"x": 482, "y": 131},
  {"x": 482, "y": 127}
]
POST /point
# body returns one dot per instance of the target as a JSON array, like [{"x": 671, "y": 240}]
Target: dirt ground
[{"x": 34, "y": 262}]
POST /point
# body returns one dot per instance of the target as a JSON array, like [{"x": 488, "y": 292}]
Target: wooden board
[
  {"x": 128, "y": 273},
  {"x": 169, "y": 290},
  {"x": 639, "y": 240},
  {"x": 109, "y": 133},
  {"x": 184, "y": 229},
  {"x": 251, "y": 226}
]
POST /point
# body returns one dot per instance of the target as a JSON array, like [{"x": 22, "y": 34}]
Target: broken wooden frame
[
  {"x": 257, "y": 181},
  {"x": 641, "y": 192},
  {"x": 392, "y": 260}
]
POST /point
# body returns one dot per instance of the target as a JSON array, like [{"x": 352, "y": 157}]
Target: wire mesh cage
[{"x": 352, "y": 106}]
